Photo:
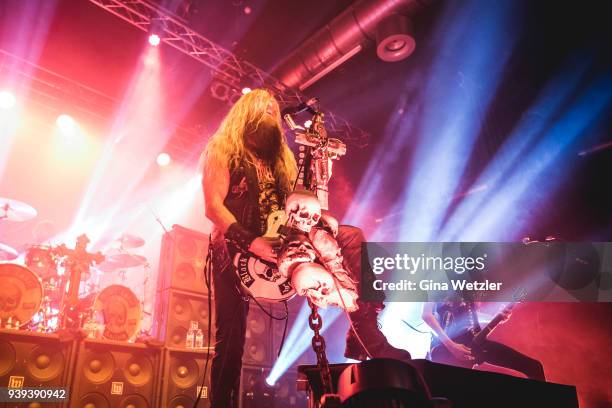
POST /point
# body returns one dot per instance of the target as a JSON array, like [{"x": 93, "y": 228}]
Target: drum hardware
[
  {"x": 7, "y": 253},
  {"x": 13, "y": 210},
  {"x": 122, "y": 261},
  {"x": 145, "y": 333},
  {"x": 129, "y": 241},
  {"x": 42, "y": 260},
  {"x": 63, "y": 292}
]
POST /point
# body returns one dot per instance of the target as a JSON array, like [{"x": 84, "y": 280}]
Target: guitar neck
[{"x": 482, "y": 335}]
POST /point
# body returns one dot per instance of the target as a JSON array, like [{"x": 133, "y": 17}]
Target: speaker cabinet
[
  {"x": 182, "y": 258},
  {"x": 113, "y": 374},
  {"x": 175, "y": 310},
  {"x": 182, "y": 376},
  {"x": 34, "y": 360},
  {"x": 258, "y": 343}
]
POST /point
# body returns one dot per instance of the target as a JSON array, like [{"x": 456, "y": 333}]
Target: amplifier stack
[{"x": 182, "y": 300}]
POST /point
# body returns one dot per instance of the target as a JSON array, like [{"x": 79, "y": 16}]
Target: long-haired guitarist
[
  {"x": 248, "y": 172},
  {"x": 461, "y": 341}
]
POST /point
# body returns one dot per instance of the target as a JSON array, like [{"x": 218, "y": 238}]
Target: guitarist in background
[
  {"x": 455, "y": 323},
  {"x": 248, "y": 171}
]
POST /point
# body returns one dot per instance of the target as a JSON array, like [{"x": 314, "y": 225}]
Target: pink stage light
[
  {"x": 154, "y": 40},
  {"x": 246, "y": 90},
  {"x": 163, "y": 159},
  {"x": 7, "y": 100}
]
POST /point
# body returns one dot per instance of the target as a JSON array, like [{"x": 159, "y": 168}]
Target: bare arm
[
  {"x": 215, "y": 184},
  {"x": 430, "y": 319}
]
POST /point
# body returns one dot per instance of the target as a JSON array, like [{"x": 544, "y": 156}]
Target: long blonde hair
[{"x": 227, "y": 144}]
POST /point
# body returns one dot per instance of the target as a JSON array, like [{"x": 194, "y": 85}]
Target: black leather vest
[{"x": 242, "y": 201}]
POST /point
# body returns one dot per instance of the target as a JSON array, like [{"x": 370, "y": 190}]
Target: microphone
[{"x": 304, "y": 106}]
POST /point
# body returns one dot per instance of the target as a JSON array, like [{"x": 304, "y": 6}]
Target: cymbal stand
[{"x": 147, "y": 275}]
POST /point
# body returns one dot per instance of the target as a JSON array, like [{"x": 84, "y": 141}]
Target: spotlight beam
[
  {"x": 507, "y": 213},
  {"x": 512, "y": 153}
]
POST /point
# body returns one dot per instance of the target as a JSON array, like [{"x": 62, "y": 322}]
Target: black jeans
[
  {"x": 231, "y": 314},
  {"x": 230, "y": 329},
  {"x": 504, "y": 356}
]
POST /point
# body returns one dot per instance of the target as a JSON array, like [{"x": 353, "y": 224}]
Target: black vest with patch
[{"x": 242, "y": 201}]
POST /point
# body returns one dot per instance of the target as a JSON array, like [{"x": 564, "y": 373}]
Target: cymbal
[
  {"x": 13, "y": 210},
  {"x": 7, "y": 253},
  {"x": 130, "y": 241},
  {"x": 120, "y": 261}
]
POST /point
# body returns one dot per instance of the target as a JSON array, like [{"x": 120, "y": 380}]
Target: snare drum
[
  {"x": 21, "y": 294},
  {"x": 121, "y": 312},
  {"x": 41, "y": 260}
]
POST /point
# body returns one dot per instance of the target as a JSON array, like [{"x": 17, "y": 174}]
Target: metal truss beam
[
  {"x": 57, "y": 94},
  {"x": 225, "y": 65}
]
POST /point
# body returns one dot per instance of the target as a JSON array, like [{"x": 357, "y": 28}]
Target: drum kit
[{"x": 58, "y": 289}]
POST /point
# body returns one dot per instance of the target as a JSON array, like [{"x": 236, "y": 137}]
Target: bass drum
[
  {"x": 21, "y": 294},
  {"x": 121, "y": 312}
]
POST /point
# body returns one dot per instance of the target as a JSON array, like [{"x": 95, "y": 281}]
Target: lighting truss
[
  {"x": 56, "y": 93},
  {"x": 225, "y": 65},
  {"x": 52, "y": 90}
]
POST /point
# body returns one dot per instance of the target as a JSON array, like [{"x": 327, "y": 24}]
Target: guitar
[
  {"x": 259, "y": 278},
  {"x": 440, "y": 354}
]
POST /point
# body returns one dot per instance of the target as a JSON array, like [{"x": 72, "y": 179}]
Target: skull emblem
[
  {"x": 303, "y": 210},
  {"x": 318, "y": 284},
  {"x": 329, "y": 223},
  {"x": 296, "y": 250},
  {"x": 115, "y": 316},
  {"x": 10, "y": 297}
]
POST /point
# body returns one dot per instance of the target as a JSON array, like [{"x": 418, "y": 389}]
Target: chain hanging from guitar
[{"x": 263, "y": 280}]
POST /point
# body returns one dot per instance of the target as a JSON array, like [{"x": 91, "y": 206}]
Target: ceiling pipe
[{"x": 343, "y": 37}]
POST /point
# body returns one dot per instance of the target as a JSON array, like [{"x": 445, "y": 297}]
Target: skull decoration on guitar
[{"x": 310, "y": 262}]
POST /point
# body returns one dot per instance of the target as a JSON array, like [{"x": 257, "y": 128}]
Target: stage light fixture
[
  {"x": 7, "y": 100},
  {"x": 154, "y": 40},
  {"x": 163, "y": 159},
  {"x": 66, "y": 123},
  {"x": 270, "y": 381},
  {"x": 246, "y": 90},
  {"x": 394, "y": 38},
  {"x": 308, "y": 123}
]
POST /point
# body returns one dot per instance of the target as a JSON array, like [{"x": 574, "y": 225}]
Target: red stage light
[
  {"x": 154, "y": 40},
  {"x": 7, "y": 100},
  {"x": 163, "y": 159}
]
